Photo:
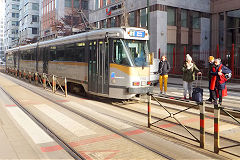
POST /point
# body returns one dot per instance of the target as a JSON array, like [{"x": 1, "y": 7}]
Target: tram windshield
[{"x": 131, "y": 52}]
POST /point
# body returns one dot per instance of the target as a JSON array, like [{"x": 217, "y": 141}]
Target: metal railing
[
  {"x": 217, "y": 112},
  {"x": 48, "y": 81},
  {"x": 200, "y": 140}
]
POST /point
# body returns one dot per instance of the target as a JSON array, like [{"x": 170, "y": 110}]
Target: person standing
[
  {"x": 163, "y": 69},
  {"x": 210, "y": 66},
  {"x": 189, "y": 70},
  {"x": 218, "y": 81}
]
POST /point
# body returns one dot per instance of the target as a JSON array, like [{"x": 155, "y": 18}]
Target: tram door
[{"x": 98, "y": 70}]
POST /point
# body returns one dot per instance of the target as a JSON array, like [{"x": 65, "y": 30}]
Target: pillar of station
[{"x": 158, "y": 32}]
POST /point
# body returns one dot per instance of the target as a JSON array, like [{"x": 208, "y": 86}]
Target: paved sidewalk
[{"x": 204, "y": 83}]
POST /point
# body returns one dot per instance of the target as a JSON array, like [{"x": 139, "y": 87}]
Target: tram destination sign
[{"x": 134, "y": 33}]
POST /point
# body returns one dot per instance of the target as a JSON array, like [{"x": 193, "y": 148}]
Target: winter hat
[
  {"x": 211, "y": 58},
  {"x": 188, "y": 57}
]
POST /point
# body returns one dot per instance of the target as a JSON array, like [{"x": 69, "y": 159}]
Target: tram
[{"x": 112, "y": 62}]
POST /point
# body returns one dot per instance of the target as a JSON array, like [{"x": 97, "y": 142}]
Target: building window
[
  {"x": 84, "y": 5},
  {"x": 196, "y": 20},
  {"x": 34, "y": 31},
  {"x": 76, "y": 3},
  {"x": 184, "y": 18},
  {"x": 143, "y": 17},
  {"x": 113, "y": 22},
  {"x": 68, "y": 3},
  {"x": 104, "y": 23},
  {"x": 170, "y": 53},
  {"x": 15, "y": 15},
  {"x": 14, "y": 6},
  {"x": 171, "y": 16},
  {"x": 97, "y": 4},
  {"x": 34, "y": 18},
  {"x": 131, "y": 19},
  {"x": 104, "y": 3},
  {"x": 15, "y": 23},
  {"x": 35, "y": 6}
]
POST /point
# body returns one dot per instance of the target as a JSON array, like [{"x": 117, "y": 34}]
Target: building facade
[
  {"x": 11, "y": 37},
  {"x": 53, "y": 11},
  {"x": 226, "y": 27},
  {"x": 183, "y": 25},
  {"x": 29, "y": 23},
  {"x": 1, "y": 32}
]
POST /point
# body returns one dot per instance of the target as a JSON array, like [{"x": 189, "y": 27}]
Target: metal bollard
[
  {"x": 65, "y": 82},
  {"x": 20, "y": 74},
  {"x": 36, "y": 78},
  {"x": 29, "y": 77},
  {"x": 149, "y": 110},
  {"x": 216, "y": 128},
  {"x": 53, "y": 84},
  {"x": 202, "y": 125},
  {"x": 44, "y": 81},
  {"x": 24, "y": 74}
]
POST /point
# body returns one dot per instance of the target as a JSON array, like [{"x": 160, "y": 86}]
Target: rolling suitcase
[{"x": 197, "y": 94}]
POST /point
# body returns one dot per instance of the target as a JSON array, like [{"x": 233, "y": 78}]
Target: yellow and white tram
[{"x": 111, "y": 62}]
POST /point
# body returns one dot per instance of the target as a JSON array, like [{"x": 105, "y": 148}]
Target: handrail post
[
  {"x": 202, "y": 125},
  {"x": 65, "y": 82},
  {"x": 149, "y": 110},
  {"x": 216, "y": 128}
]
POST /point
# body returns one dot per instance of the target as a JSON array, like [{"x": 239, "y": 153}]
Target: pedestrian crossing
[
  {"x": 31, "y": 128},
  {"x": 68, "y": 123}
]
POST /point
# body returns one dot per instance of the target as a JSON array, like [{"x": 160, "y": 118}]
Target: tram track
[
  {"x": 68, "y": 148},
  {"x": 107, "y": 101},
  {"x": 60, "y": 141}
]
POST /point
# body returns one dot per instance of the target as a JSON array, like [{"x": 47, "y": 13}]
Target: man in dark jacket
[
  {"x": 210, "y": 66},
  {"x": 218, "y": 81},
  {"x": 163, "y": 69}
]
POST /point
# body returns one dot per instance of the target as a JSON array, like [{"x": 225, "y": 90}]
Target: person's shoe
[
  {"x": 215, "y": 103},
  {"x": 220, "y": 103},
  {"x": 209, "y": 100}
]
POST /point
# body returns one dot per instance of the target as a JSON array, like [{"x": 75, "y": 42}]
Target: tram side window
[
  {"x": 53, "y": 53},
  {"x": 80, "y": 47},
  {"x": 28, "y": 55},
  {"x": 40, "y": 54},
  {"x": 60, "y": 53},
  {"x": 120, "y": 55},
  {"x": 70, "y": 53}
]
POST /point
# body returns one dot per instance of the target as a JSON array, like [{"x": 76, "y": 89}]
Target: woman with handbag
[{"x": 189, "y": 69}]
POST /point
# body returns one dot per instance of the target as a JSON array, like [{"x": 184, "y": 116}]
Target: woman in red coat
[{"x": 218, "y": 80}]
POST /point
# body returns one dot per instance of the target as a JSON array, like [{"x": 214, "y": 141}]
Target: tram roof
[{"x": 91, "y": 35}]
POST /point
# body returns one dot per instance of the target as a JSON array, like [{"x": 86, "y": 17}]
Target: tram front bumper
[{"x": 141, "y": 90}]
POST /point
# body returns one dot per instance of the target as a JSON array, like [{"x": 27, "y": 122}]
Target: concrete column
[
  {"x": 190, "y": 32},
  {"x": 158, "y": 32},
  {"x": 225, "y": 32},
  {"x": 215, "y": 31},
  {"x": 178, "y": 45},
  {"x": 205, "y": 34}
]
